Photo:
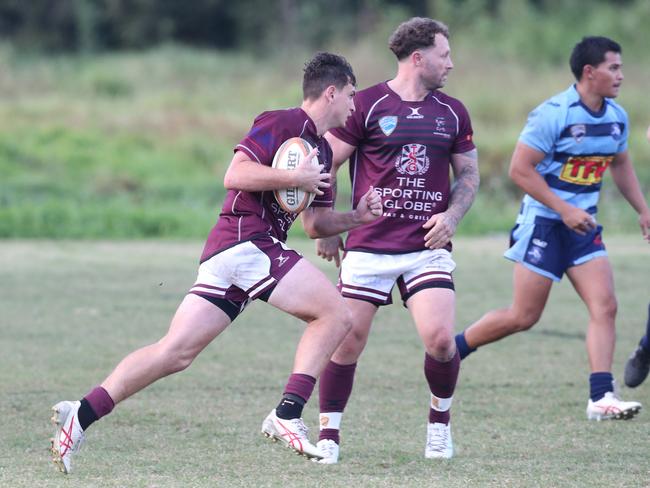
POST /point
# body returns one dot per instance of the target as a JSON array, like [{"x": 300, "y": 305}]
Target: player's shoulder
[
  {"x": 616, "y": 108},
  {"x": 554, "y": 109},
  {"x": 442, "y": 98},
  {"x": 560, "y": 102},
  {"x": 369, "y": 96},
  {"x": 286, "y": 115}
]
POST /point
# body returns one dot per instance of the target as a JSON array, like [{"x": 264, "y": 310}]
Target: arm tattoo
[
  {"x": 334, "y": 189},
  {"x": 466, "y": 181}
]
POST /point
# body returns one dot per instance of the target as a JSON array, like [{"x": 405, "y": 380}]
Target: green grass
[
  {"x": 135, "y": 144},
  {"x": 72, "y": 309}
]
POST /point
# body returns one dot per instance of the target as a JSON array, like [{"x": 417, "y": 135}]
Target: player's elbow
[
  {"x": 516, "y": 175},
  {"x": 230, "y": 181}
]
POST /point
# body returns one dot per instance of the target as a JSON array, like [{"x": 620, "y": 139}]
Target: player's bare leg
[
  {"x": 594, "y": 283},
  {"x": 350, "y": 349},
  {"x": 195, "y": 324},
  {"x": 306, "y": 293},
  {"x": 337, "y": 379},
  {"x": 433, "y": 311},
  {"x": 530, "y": 294}
]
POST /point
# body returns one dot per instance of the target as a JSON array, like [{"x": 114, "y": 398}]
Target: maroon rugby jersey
[
  {"x": 245, "y": 215},
  {"x": 404, "y": 150}
]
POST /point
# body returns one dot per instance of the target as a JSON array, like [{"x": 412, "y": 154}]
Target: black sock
[
  {"x": 86, "y": 414},
  {"x": 290, "y": 407}
]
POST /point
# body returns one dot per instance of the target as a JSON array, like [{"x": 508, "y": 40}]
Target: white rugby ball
[{"x": 288, "y": 156}]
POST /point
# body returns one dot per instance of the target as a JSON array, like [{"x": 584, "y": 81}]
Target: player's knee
[
  {"x": 607, "y": 309},
  {"x": 346, "y": 319},
  {"x": 440, "y": 344},
  {"x": 524, "y": 320},
  {"x": 176, "y": 359}
]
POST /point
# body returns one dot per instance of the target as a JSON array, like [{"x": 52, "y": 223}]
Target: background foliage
[{"x": 118, "y": 118}]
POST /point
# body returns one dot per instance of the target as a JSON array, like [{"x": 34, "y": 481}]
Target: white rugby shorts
[
  {"x": 371, "y": 277},
  {"x": 244, "y": 272}
]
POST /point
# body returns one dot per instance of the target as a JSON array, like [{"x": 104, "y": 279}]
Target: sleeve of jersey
[
  {"x": 626, "y": 132},
  {"x": 263, "y": 139},
  {"x": 464, "y": 139},
  {"x": 326, "y": 199},
  {"x": 541, "y": 132}
]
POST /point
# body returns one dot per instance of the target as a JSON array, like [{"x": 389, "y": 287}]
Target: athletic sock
[
  {"x": 296, "y": 393},
  {"x": 96, "y": 404},
  {"x": 599, "y": 384},
  {"x": 461, "y": 345},
  {"x": 290, "y": 407},
  {"x": 335, "y": 388},
  {"x": 442, "y": 378}
]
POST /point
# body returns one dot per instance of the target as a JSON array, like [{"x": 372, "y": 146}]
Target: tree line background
[
  {"x": 118, "y": 117},
  {"x": 100, "y": 25}
]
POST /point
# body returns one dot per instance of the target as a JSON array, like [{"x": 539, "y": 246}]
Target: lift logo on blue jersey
[{"x": 388, "y": 124}]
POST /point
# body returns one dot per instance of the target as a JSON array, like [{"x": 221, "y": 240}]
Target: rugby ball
[{"x": 288, "y": 156}]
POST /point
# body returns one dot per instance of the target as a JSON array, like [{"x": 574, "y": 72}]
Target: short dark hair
[
  {"x": 323, "y": 70},
  {"x": 415, "y": 33},
  {"x": 591, "y": 51}
]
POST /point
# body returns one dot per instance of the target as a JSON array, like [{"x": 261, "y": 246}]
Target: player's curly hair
[
  {"x": 323, "y": 70},
  {"x": 591, "y": 51},
  {"x": 415, "y": 33}
]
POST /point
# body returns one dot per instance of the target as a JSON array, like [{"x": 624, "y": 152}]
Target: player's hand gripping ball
[{"x": 288, "y": 156}]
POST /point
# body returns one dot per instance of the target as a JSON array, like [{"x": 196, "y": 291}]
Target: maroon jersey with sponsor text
[
  {"x": 404, "y": 150},
  {"x": 245, "y": 215}
]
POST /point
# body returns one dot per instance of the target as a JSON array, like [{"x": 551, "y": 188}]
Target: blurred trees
[
  {"x": 87, "y": 25},
  {"x": 523, "y": 27}
]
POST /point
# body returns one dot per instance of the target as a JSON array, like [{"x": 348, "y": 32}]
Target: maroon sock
[
  {"x": 301, "y": 385},
  {"x": 94, "y": 406},
  {"x": 442, "y": 378},
  {"x": 335, "y": 388},
  {"x": 296, "y": 393}
]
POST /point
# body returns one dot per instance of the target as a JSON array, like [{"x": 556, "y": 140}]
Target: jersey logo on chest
[
  {"x": 413, "y": 160},
  {"x": 388, "y": 124},
  {"x": 585, "y": 170}
]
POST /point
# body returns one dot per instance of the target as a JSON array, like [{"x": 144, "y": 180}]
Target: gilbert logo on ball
[{"x": 288, "y": 156}]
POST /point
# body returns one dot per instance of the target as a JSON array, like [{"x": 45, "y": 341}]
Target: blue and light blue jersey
[{"x": 578, "y": 144}]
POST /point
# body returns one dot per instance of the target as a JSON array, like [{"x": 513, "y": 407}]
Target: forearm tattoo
[{"x": 466, "y": 182}]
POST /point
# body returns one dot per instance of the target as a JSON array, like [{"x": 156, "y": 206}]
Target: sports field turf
[{"x": 70, "y": 310}]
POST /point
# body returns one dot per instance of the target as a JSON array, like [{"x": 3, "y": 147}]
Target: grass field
[
  {"x": 71, "y": 309},
  {"x": 135, "y": 144}
]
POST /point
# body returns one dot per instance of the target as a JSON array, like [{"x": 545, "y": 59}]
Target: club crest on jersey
[
  {"x": 440, "y": 128},
  {"x": 616, "y": 131},
  {"x": 388, "y": 124},
  {"x": 413, "y": 160},
  {"x": 415, "y": 113},
  {"x": 578, "y": 131}
]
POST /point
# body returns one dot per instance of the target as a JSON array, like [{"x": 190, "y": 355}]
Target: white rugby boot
[
  {"x": 439, "y": 444},
  {"x": 292, "y": 433},
  {"x": 329, "y": 450},
  {"x": 611, "y": 407},
  {"x": 69, "y": 435}
]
